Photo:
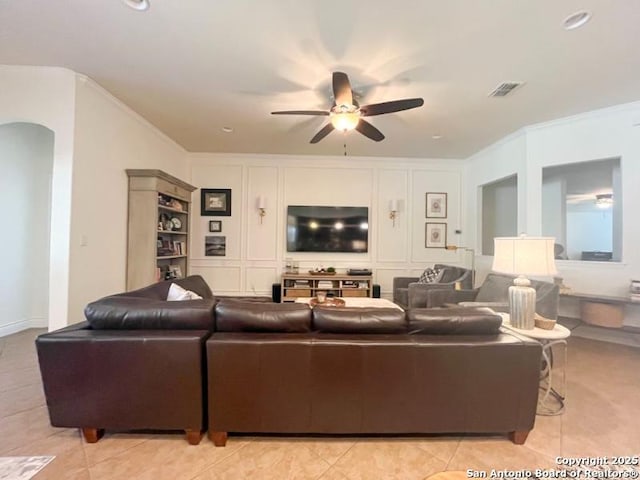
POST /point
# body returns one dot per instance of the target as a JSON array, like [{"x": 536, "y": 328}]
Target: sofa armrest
[
  {"x": 135, "y": 313},
  {"x": 403, "y": 282},
  {"x": 464, "y": 295},
  {"x": 418, "y": 293},
  {"x": 438, "y": 297}
]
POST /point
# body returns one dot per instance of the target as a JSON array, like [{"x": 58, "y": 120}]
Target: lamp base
[{"x": 522, "y": 305}]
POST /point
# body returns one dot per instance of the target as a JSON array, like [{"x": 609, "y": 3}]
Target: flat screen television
[{"x": 327, "y": 229}]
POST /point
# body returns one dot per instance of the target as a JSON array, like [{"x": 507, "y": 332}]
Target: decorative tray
[
  {"x": 313, "y": 272},
  {"x": 329, "y": 302}
]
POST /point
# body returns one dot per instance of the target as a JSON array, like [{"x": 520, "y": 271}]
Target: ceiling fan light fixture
[
  {"x": 344, "y": 121},
  {"x": 604, "y": 200},
  {"x": 139, "y": 5},
  {"x": 576, "y": 20}
]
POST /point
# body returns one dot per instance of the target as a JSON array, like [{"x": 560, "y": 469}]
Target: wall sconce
[
  {"x": 262, "y": 207},
  {"x": 473, "y": 261},
  {"x": 393, "y": 211}
]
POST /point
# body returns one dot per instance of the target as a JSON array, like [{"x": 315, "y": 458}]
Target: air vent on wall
[{"x": 505, "y": 88}]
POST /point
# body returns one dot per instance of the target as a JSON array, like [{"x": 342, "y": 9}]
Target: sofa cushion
[
  {"x": 359, "y": 320},
  {"x": 455, "y": 320},
  {"x": 495, "y": 288},
  {"x": 241, "y": 316},
  {"x": 120, "y": 312}
]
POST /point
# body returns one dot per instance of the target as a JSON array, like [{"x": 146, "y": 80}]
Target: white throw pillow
[{"x": 177, "y": 294}]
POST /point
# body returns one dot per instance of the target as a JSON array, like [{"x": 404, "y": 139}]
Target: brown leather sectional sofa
[{"x": 234, "y": 365}]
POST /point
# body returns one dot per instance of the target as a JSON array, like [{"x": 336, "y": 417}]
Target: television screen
[{"x": 327, "y": 229}]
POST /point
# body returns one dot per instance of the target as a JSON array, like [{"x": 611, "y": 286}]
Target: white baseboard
[
  {"x": 38, "y": 322},
  {"x": 20, "y": 325},
  {"x": 14, "y": 327}
]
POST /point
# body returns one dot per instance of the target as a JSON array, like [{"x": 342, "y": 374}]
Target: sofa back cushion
[
  {"x": 455, "y": 320},
  {"x": 241, "y": 316},
  {"x": 160, "y": 290},
  {"x": 450, "y": 273},
  {"x": 359, "y": 320},
  {"x": 120, "y": 312}
]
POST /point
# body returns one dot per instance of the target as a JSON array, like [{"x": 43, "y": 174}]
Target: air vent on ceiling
[{"x": 505, "y": 88}]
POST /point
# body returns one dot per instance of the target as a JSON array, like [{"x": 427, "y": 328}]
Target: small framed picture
[
  {"x": 215, "y": 246},
  {"x": 435, "y": 235},
  {"x": 436, "y": 205},
  {"x": 215, "y": 202},
  {"x": 215, "y": 225},
  {"x": 176, "y": 271}
]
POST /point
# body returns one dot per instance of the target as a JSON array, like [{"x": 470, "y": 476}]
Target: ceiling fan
[{"x": 346, "y": 114}]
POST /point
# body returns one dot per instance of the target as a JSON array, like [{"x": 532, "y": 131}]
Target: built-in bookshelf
[{"x": 158, "y": 234}]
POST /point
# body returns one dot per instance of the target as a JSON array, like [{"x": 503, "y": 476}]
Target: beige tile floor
[{"x": 602, "y": 418}]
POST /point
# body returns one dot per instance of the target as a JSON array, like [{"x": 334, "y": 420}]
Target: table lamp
[{"x": 522, "y": 256}]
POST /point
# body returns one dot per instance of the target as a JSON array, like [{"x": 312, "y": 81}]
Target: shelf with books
[{"x": 158, "y": 234}]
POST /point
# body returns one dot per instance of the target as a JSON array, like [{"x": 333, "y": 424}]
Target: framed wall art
[
  {"x": 215, "y": 246},
  {"x": 215, "y": 225},
  {"x": 436, "y": 205},
  {"x": 435, "y": 235},
  {"x": 215, "y": 202}
]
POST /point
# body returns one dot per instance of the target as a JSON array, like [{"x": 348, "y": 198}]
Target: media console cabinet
[{"x": 295, "y": 285}]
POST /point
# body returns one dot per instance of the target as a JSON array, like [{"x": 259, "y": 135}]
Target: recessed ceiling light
[
  {"x": 140, "y": 5},
  {"x": 436, "y": 137},
  {"x": 576, "y": 20},
  {"x": 227, "y": 129}
]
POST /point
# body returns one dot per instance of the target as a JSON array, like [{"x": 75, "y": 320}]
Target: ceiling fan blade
[
  {"x": 342, "y": 89},
  {"x": 324, "y": 131},
  {"x": 390, "y": 107},
  {"x": 369, "y": 130},
  {"x": 301, "y": 112}
]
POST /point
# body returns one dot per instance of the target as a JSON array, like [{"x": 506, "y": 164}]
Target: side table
[{"x": 547, "y": 338}]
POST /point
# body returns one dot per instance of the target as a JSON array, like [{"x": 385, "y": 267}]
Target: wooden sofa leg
[
  {"x": 219, "y": 439},
  {"x": 92, "y": 435},
  {"x": 519, "y": 437},
  {"x": 193, "y": 436}
]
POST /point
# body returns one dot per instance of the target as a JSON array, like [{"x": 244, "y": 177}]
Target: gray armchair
[
  {"x": 494, "y": 293},
  {"x": 408, "y": 293}
]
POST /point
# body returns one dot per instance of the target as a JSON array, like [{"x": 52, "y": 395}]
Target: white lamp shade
[
  {"x": 262, "y": 202},
  {"x": 524, "y": 255},
  {"x": 393, "y": 206}
]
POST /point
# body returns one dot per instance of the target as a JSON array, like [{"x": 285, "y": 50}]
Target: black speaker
[
  {"x": 376, "y": 290},
  {"x": 276, "y": 292}
]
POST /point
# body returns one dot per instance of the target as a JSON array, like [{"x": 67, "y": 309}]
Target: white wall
[
  {"x": 45, "y": 96},
  {"x": 607, "y": 133},
  {"x": 554, "y": 210},
  {"x": 91, "y": 153},
  {"x": 499, "y": 211},
  {"x": 26, "y": 162},
  {"x": 256, "y": 252},
  {"x": 109, "y": 138}
]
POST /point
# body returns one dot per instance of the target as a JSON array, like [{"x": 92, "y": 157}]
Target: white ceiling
[{"x": 193, "y": 66}]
